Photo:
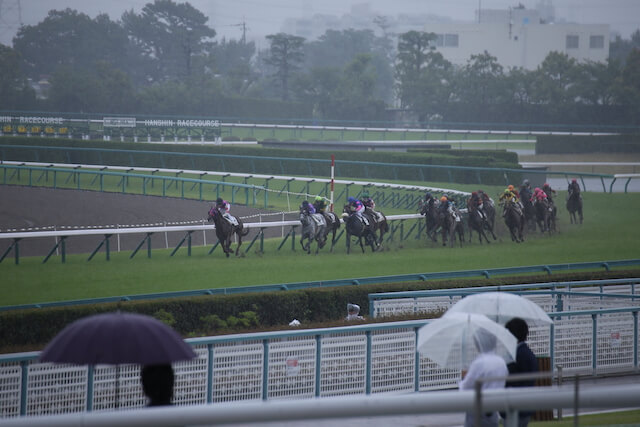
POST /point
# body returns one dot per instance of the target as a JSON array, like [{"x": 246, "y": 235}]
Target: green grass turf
[{"x": 610, "y": 232}]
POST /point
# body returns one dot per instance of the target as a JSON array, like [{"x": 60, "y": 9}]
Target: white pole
[{"x": 333, "y": 167}]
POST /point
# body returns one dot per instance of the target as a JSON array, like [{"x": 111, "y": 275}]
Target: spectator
[
  {"x": 526, "y": 362},
  {"x": 353, "y": 312},
  {"x": 487, "y": 364},
  {"x": 157, "y": 384}
]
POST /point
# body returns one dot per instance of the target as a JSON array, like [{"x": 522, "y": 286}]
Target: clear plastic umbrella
[
  {"x": 455, "y": 339},
  {"x": 501, "y": 307}
]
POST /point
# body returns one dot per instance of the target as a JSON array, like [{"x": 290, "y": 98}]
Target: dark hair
[
  {"x": 518, "y": 328},
  {"x": 157, "y": 383}
]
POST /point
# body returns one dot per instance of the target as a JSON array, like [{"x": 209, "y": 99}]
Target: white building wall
[{"x": 523, "y": 46}]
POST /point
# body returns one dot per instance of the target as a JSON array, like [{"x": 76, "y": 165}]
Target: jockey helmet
[
  {"x": 525, "y": 182},
  {"x": 351, "y": 199},
  {"x": 510, "y": 187},
  {"x": 219, "y": 201},
  {"x": 428, "y": 195},
  {"x": 574, "y": 180},
  {"x": 443, "y": 199},
  {"x": 305, "y": 203},
  {"x": 318, "y": 198},
  {"x": 546, "y": 185},
  {"x": 475, "y": 193},
  {"x": 507, "y": 191}
]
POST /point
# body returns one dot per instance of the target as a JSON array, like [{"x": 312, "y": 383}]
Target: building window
[
  {"x": 572, "y": 42},
  {"x": 596, "y": 42},
  {"x": 445, "y": 40},
  {"x": 451, "y": 40}
]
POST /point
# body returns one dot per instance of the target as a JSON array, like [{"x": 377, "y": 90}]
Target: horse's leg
[{"x": 239, "y": 234}]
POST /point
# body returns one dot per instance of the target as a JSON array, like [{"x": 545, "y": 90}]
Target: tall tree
[
  {"x": 285, "y": 55},
  {"x": 170, "y": 35},
  {"x": 554, "y": 81},
  {"x": 232, "y": 62},
  {"x": 69, "y": 38},
  {"x": 15, "y": 92},
  {"x": 482, "y": 80},
  {"x": 413, "y": 50}
]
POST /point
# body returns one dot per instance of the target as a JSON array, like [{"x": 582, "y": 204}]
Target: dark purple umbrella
[{"x": 117, "y": 338}]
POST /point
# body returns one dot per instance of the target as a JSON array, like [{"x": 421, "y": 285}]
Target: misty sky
[{"x": 265, "y": 16}]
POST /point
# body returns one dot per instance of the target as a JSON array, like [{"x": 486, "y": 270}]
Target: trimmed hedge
[
  {"x": 33, "y": 328},
  {"x": 578, "y": 144}
]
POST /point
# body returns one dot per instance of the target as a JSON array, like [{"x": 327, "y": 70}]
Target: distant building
[{"x": 518, "y": 37}]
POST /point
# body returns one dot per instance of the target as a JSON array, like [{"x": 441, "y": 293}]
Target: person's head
[
  {"x": 484, "y": 340},
  {"x": 157, "y": 383},
  {"x": 219, "y": 201},
  {"x": 443, "y": 199},
  {"x": 518, "y": 328},
  {"x": 546, "y": 185},
  {"x": 537, "y": 190},
  {"x": 305, "y": 204},
  {"x": 319, "y": 198},
  {"x": 474, "y": 194},
  {"x": 507, "y": 191},
  {"x": 510, "y": 187},
  {"x": 351, "y": 199},
  {"x": 573, "y": 181},
  {"x": 353, "y": 308},
  {"x": 427, "y": 195},
  {"x": 525, "y": 182}
]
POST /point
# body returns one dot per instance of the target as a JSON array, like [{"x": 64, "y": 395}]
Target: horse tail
[{"x": 245, "y": 231}]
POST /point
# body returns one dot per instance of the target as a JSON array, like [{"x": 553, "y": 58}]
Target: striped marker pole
[{"x": 333, "y": 167}]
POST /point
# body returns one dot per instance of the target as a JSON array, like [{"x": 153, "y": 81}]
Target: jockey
[
  {"x": 474, "y": 203},
  {"x": 574, "y": 188},
  {"x": 320, "y": 204},
  {"x": 485, "y": 197},
  {"x": 427, "y": 196},
  {"x": 224, "y": 207},
  {"x": 449, "y": 205},
  {"x": 538, "y": 195},
  {"x": 525, "y": 191},
  {"x": 371, "y": 206},
  {"x": 308, "y": 208},
  {"x": 508, "y": 197},
  {"x": 548, "y": 191},
  {"x": 357, "y": 207}
]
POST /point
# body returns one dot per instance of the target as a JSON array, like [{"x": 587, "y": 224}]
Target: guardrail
[
  {"x": 347, "y": 407},
  {"x": 303, "y": 364},
  {"x": 418, "y": 277}
]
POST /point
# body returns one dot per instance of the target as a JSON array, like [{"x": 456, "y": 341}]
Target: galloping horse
[
  {"x": 355, "y": 226},
  {"x": 379, "y": 224},
  {"x": 574, "y": 204},
  {"x": 451, "y": 221},
  {"x": 543, "y": 214},
  {"x": 314, "y": 227},
  {"x": 431, "y": 217},
  {"x": 333, "y": 224},
  {"x": 514, "y": 219},
  {"x": 478, "y": 221},
  {"x": 225, "y": 230}
]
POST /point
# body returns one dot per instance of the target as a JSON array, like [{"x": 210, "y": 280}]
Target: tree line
[{"x": 166, "y": 60}]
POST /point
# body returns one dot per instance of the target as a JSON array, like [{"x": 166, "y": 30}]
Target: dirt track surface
[{"x": 29, "y": 208}]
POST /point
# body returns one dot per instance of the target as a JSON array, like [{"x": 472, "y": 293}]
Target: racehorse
[
  {"x": 314, "y": 227},
  {"x": 225, "y": 230},
  {"x": 333, "y": 224},
  {"x": 356, "y": 226},
  {"x": 514, "y": 220},
  {"x": 544, "y": 215},
  {"x": 451, "y": 221},
  {"x": 379, "y": 224},
  {"x": 431, "y": 217},
  {"x": 574, "y": 204},
  {"x": 478, "y": 222},
  {"x": 529, "y": 213}
]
